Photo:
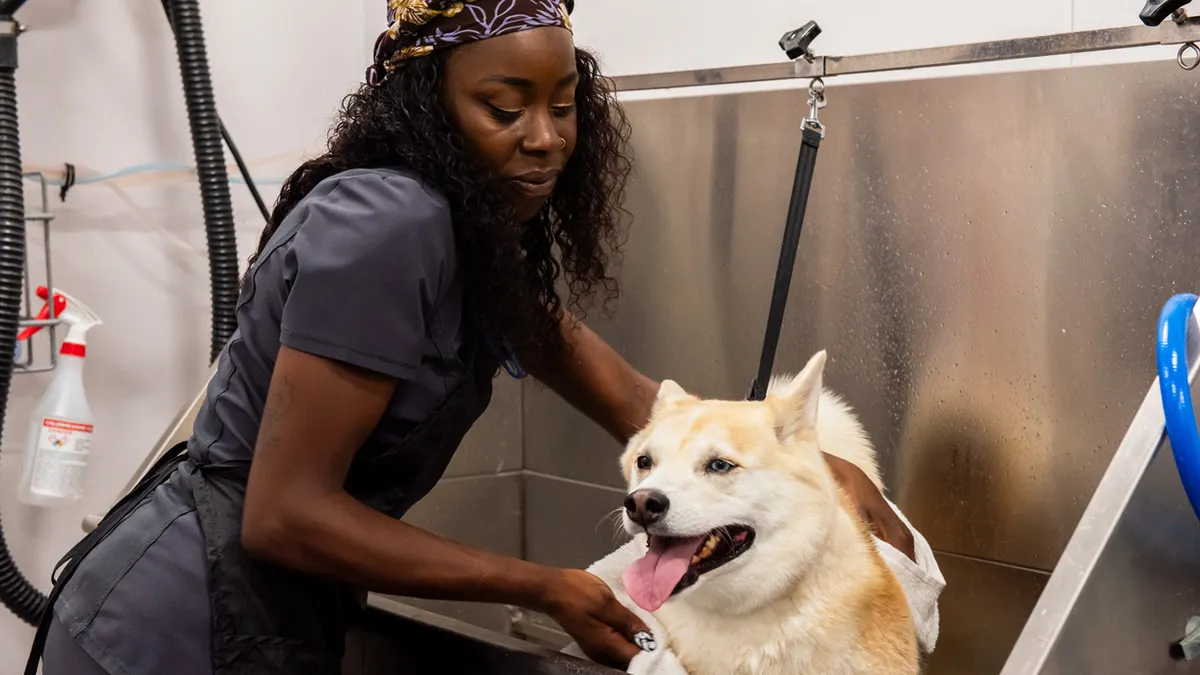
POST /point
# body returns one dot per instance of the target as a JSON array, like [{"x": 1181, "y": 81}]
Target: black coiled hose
[
  {"x": 16, "y": 592},
  {"x": 210, "y": 166}
]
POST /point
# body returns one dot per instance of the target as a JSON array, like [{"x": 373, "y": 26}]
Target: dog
[{"x": 755, "y": 562}]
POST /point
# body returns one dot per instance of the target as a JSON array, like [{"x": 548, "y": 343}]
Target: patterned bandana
[{"x": 418, "y": 27}]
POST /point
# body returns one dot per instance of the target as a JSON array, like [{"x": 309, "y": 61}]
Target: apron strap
[{"x": 157, "y": 475}]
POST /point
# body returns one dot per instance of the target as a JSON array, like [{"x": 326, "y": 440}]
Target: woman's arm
[
  {"x": 604, "y": 386},
  {"x": 318, "y": 414},
  {"x": 598, "y": 382}
]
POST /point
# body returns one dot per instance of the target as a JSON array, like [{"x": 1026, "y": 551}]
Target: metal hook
[
  {"x": 1184, "y": 49},
  {"x": 816, "y": 101}
]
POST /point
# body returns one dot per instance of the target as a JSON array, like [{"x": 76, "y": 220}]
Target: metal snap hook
[
  {"x": 816, "y": 95},
  {"x": 1183, "y": 50},
  {"x": 816, "y": 101}
]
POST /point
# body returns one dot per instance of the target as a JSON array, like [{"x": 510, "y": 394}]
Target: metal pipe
[{"x": 1059, "y": 44}]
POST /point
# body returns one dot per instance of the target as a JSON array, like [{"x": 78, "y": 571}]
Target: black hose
[
  {"x": 210, "y": 166},
  {"x": 233, "y": 149},
  {"x": 17, "y": 594}
]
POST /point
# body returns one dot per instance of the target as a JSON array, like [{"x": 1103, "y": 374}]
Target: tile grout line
[
  {"x": 572, "y": 481},
  {"x": 988, "y": 561},
  {"x": 477, "y": 476}
]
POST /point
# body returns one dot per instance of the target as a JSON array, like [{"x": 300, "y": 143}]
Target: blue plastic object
[{"x": 1177, "y": 393}]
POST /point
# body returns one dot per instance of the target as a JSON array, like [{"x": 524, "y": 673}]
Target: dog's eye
[
  {"x": 719, "y": 466},
  {"x": 643, "y": 462}
]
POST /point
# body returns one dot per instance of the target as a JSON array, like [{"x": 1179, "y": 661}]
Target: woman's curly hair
[{"x": 512, "y": 272}]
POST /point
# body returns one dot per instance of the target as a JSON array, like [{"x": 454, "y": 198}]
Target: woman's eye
[
  {"x": 563, "y": 110},
  {"x": 644, "y": 463},
  {"x": 503, "y": 115},
  {"x": 719, "y": 466}
]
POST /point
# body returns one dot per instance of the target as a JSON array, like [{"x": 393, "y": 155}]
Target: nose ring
[{"x": 563, "y": 142}]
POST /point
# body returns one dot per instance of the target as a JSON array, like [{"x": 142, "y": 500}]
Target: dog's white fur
[{"x": 811, "y": 595}]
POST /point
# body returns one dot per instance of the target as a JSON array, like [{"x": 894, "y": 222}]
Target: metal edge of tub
[{"x": 395, "y": 638}]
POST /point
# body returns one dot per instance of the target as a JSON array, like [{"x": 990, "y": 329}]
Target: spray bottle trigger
[{"x": 60, "y": 305}]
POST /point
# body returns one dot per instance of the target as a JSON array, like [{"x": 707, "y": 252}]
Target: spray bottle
[{"x": 60, "y": 434}]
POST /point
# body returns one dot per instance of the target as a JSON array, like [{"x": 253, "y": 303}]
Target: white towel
[{"x": 922, "y": 582}]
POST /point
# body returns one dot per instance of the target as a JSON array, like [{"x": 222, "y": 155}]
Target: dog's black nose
[{"x": 646, "y": 507}]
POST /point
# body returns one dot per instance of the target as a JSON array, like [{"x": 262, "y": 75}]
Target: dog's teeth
[{"x": 696, "y": 559}]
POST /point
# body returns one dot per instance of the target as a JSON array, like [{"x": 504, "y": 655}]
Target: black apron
[{"x": 267, "y": 618}]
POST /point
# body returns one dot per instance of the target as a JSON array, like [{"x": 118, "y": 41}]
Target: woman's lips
[{"x": 535, "y": 185}]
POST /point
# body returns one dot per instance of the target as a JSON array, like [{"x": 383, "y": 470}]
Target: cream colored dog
[{"x": 755, "y": 561}]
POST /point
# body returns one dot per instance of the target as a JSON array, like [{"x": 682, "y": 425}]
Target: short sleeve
[{"x": 367, "y": 266}]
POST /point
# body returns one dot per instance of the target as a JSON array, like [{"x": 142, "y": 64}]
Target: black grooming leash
[{"x": 796, "y": 44}]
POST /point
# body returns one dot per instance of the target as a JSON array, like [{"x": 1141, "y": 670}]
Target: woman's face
[{"x": 513, "y": 97}]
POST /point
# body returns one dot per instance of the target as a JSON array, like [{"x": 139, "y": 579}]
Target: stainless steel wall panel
[
  {"x": 482, "y": 511},
  {"x": 1142, "y": 590},
  {"x": 570, "y": 524},
  {"x": 560, "y": 441},
  {"x": 982, "y": 611},
  {"x": 984, "y": 259},
  {"x": 494, "y": 444}
]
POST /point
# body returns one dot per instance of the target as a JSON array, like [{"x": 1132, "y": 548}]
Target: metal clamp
[
  {"x": 798, "y": 43},
  {"x": 816, "y": 101}
]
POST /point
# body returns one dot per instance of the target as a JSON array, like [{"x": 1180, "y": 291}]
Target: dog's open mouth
[{"x": 672, "y": 564}]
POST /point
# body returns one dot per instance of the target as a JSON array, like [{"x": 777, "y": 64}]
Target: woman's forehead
[{"x": 542, "y": 57}]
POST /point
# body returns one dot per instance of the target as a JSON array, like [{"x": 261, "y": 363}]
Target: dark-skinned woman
[{"x": 482, "y": 163}]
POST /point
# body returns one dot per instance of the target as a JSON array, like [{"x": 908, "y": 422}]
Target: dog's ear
[
  {"x": 795, "y": 404},
  {"x": 669, "y": 393}
]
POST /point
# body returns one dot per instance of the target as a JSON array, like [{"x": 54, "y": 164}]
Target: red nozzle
[{"x": 60, "y": 305}]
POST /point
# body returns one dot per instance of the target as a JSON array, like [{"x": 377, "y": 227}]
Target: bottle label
[{"x": 62, "y": 455}]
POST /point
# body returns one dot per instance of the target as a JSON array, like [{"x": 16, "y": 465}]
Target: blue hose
[{"x": 1177, "y": 393}]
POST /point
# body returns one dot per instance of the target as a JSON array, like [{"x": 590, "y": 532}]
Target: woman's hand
[
  {"x": 873, "y": 508},
  {"x": 588, "y": 611}
]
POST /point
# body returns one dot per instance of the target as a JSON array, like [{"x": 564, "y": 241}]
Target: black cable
[
  {"x": 241, "y": 165},
  {"x": 233, "y": 149}
]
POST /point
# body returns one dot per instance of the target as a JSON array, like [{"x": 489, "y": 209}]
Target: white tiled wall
[{"x": 99, "y": 88}]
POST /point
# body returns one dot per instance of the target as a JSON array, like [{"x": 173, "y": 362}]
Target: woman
[{"x": 398, "y": 269}]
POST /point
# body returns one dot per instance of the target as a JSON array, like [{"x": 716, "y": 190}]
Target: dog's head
[{"x": 735, "y": 496}]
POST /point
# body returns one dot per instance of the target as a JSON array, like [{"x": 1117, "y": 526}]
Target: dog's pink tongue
[{"x": 651, "y": 580}]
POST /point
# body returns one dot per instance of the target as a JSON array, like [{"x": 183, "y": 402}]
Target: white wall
[
  {"x": 99, "y": 88},
  {"x": 644, "y": 36}
]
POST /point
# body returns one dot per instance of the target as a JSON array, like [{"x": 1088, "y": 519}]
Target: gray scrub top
[{"x": 363, "y": 271}]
